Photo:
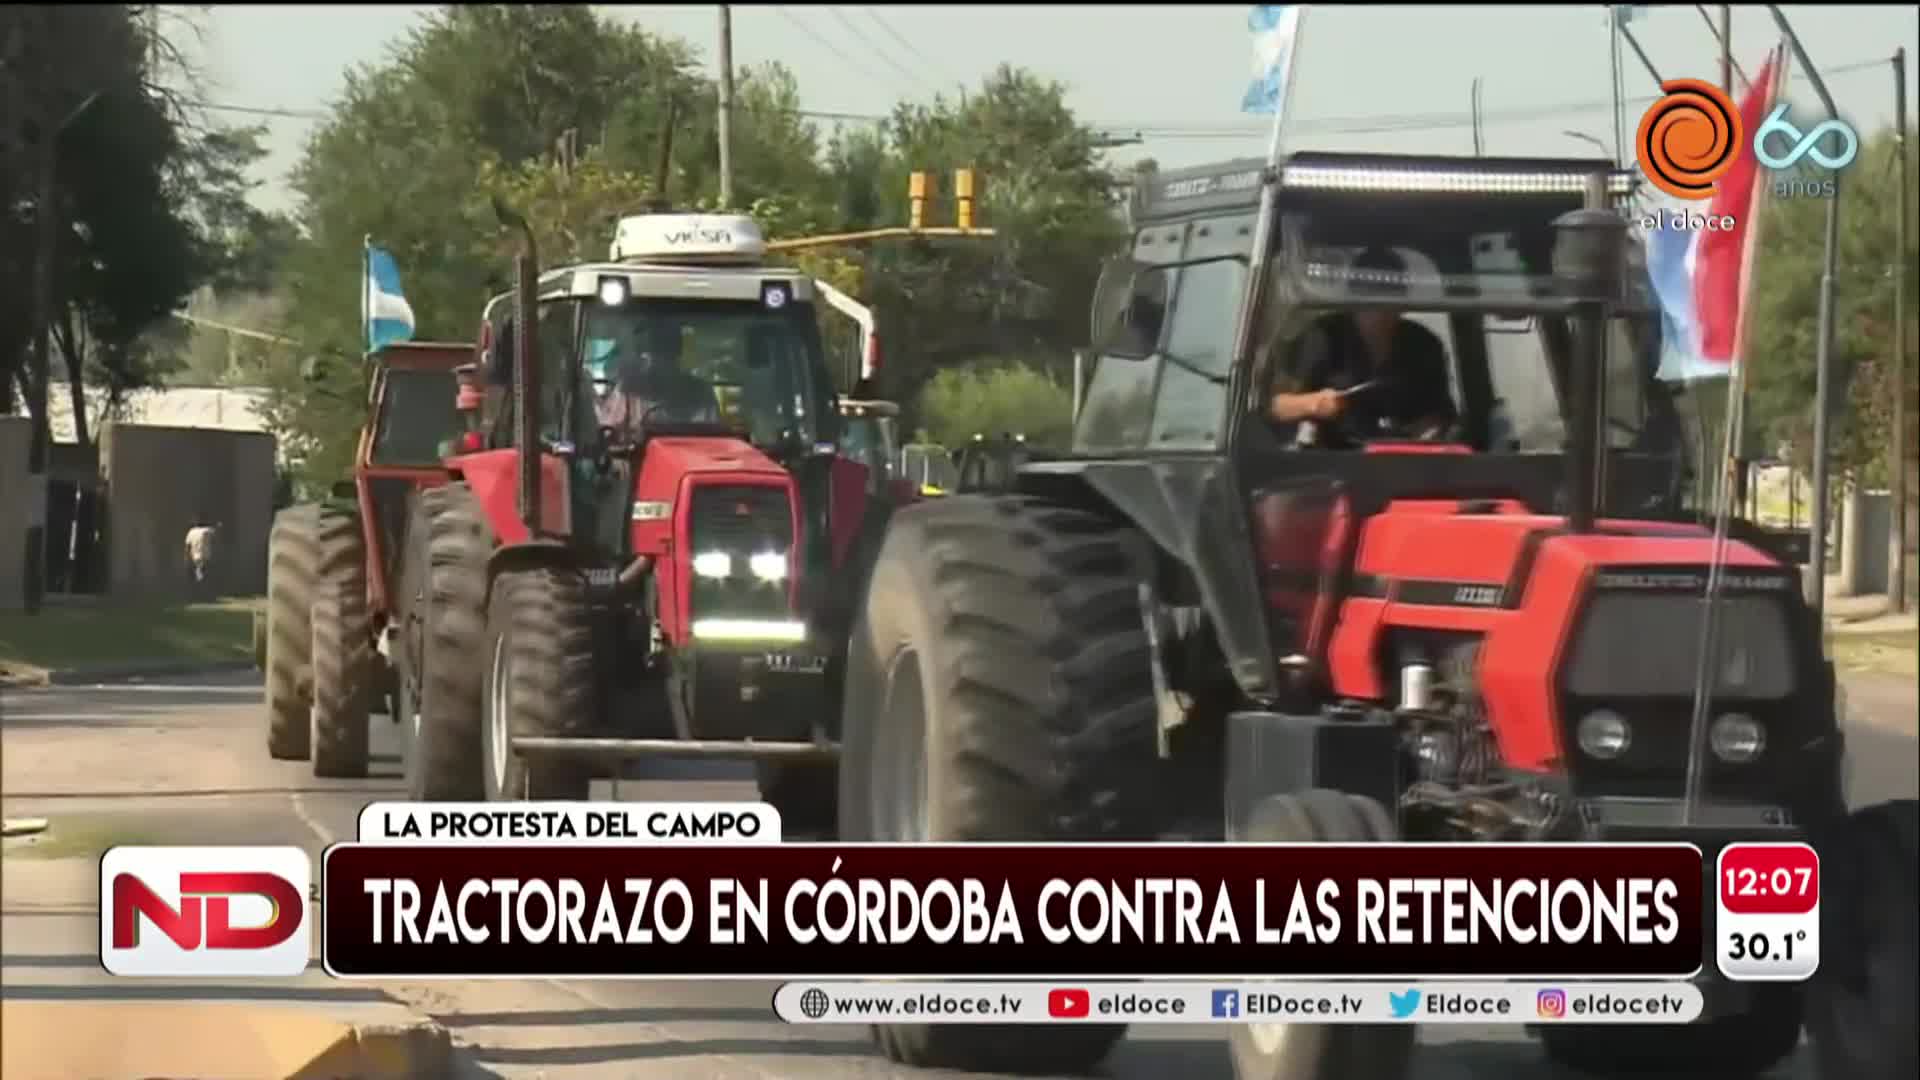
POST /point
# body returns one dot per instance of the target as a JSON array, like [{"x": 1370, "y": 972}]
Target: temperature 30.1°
[{"x": 1768, "y": 899}]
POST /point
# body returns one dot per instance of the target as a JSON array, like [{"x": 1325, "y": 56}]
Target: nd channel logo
[{"x": 1694, "y": 135}]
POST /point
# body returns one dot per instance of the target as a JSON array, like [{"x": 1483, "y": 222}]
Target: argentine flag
[
  {"x": 1275, "y": 29},
  {"x": 386, "y": 313}
]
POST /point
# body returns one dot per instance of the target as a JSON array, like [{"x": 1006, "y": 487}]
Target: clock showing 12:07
[{"x": 1768, "y": 901}]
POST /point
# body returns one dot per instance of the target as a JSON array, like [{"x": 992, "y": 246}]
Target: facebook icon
[{"x": 1226, "y": 1003}]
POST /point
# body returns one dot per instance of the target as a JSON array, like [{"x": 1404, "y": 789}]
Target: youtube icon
[{"x": 1068, "y": 1004}]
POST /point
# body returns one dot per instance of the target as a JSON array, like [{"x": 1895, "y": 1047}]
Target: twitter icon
[{"x": 1403, "y": 1004}]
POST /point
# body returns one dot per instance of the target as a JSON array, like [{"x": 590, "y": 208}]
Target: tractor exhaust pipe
[
  {"x": 526, "y": 368},
  {"x": 1589, "y": 264}
]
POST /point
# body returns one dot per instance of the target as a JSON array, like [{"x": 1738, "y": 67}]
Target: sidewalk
[{"x": 52, "y": 989}]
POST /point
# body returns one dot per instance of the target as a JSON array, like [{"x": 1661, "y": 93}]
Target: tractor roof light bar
[{"x": 1358, "y": 179}]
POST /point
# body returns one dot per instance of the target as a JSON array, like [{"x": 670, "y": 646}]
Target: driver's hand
[{"x": 1326, "y": 404}]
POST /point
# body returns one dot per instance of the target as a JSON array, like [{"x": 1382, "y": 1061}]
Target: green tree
[
  {"x": 1040, "y": 183},
  {"x": 143, "y": 200},
  {"x": 1016, "y": 399},
  {"x": 1785, "y": 319}
]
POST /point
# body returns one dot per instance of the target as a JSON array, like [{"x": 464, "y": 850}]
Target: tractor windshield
[
  {"x": 651, "y": 361},
  {"x": 1507, "y": 374}
]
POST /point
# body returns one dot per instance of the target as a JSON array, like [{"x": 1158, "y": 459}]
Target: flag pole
[
  {"x": 1265, "y": 223},
  {"x": 1706, "y": 672},
  {"x": 366, "y": 292}
]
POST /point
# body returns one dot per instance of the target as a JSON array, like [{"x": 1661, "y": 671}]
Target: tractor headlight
[
  {"x": 713, "y": 564},
  {"x": 613, "y": 291},
  {"x": 769, "y": 566},
  {"x": 1737, "y": 738},
  {"x": 1604, "y": 734}
]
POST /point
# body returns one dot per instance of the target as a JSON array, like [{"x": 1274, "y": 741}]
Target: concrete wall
[
  {"x": 159, "y": 481},
  {"x": 14, "y": 433}
]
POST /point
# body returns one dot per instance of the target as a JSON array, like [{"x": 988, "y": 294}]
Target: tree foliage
[
  {"x": 960, "y": 403},
  {"x": 1785, "y": 320},
  {"x": 145, "y": 207},
  {"x": 565, "y": 115}
]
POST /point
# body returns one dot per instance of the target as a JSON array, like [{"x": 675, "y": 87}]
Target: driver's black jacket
[{"x": 1413, "y": 388}]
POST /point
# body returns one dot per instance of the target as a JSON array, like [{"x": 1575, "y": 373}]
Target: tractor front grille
[
  {"x": 1636, "y": 653},
  {"x": 740, "y": 522}
]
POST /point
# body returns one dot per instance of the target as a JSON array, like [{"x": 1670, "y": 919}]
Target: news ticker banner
[
  {"x": 1429, "y": 1002},
  {"x": 565, "y": 910},
  {"x": 699, "y": 890}
]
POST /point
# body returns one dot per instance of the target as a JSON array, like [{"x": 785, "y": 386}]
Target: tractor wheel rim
[
  {"x": 497, "y": 698},
  {"x": 901, "y": 792}
]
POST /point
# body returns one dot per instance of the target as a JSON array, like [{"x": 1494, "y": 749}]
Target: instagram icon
[{"x": 1552, "y": 1004}]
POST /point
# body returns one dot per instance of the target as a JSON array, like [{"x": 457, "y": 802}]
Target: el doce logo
[{"x": 1689, "y": 139}]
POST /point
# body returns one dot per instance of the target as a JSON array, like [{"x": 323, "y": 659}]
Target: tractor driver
[
  {"x": 1379, "y": 372},
  {"x": 636, "y": 372}
]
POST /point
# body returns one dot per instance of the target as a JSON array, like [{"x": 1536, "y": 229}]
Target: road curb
[
  {"x": 120, "y": 673},
  {"x": 195, "y": 1039},
  {"x": 388, "y": 1051}
]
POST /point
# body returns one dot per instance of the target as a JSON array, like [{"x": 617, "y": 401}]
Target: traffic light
[
  {"x": 916, "y": 200},
  {"x": 963, "y": 198}
]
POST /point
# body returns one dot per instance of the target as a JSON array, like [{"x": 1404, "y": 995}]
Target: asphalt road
[{"x": 187, "y": 764}]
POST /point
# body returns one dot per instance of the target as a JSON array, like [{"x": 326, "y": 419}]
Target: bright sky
[{"x": 1370, "y": 78}]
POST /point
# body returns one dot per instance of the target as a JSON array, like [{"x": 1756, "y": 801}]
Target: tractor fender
[{"x": 529, "y": 555}]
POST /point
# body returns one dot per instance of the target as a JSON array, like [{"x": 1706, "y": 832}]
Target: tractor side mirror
[{"x": 1130, "y": 308}]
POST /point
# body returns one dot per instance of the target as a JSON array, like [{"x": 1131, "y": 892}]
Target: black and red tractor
[
  {"x": 1205, "y": 623},
  {"x": 651, "y": 546},
  {"x": 331, "y": 596}
]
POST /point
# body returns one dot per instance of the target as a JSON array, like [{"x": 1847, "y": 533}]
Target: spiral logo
[{"x": 1689, "y": 139}]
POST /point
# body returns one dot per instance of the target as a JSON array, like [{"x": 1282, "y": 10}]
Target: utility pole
[
  {"x": 1823, "y": 349},
  {"x": 726, "y": 107},
  {"x": 1897, "y": 468}
]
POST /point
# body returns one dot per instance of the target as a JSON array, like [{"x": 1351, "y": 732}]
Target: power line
[
  {"x": 828, "y": 45},
  {"x": 887, "y": 27},
  {"x": 1379, "y": 124},
  {"x": 876, "y": 50}
]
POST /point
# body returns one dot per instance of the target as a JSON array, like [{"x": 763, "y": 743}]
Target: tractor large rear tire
[
  {"x": 289, "y": 632},
  {"x": 1320, "y": 1051},
  {"x": 443, "y": 764},
  {"x": 1860, "y": 1005},
  {"x": 540, "y": 674},
  {"x": 998, "y": 688},
  {"x": 344, "y": 663}
]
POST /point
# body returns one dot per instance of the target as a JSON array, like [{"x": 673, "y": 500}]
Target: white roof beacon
[{"x": 689, "y": 239}]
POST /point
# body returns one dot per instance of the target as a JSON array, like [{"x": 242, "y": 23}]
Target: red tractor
[
  {"x": 330, "y": 594},
  {"x": 650, "y": 546},
  {"x": 1204, "y": 623}
]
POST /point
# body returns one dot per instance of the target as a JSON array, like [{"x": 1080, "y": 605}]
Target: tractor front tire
[
  {"x": 443, "y": 763},
  {"x": 540, "y": 682},
  {"x": 998, "y": 688},
  {"x": 1320, "y": 1051},
  {"x": 1860, "y": 1005},
  {"x": 289, "y": 632},
  {"x": 343, "y": 657}
]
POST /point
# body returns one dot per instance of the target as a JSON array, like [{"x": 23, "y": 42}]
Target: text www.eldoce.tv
[{"x": 927, "y": 1004}]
